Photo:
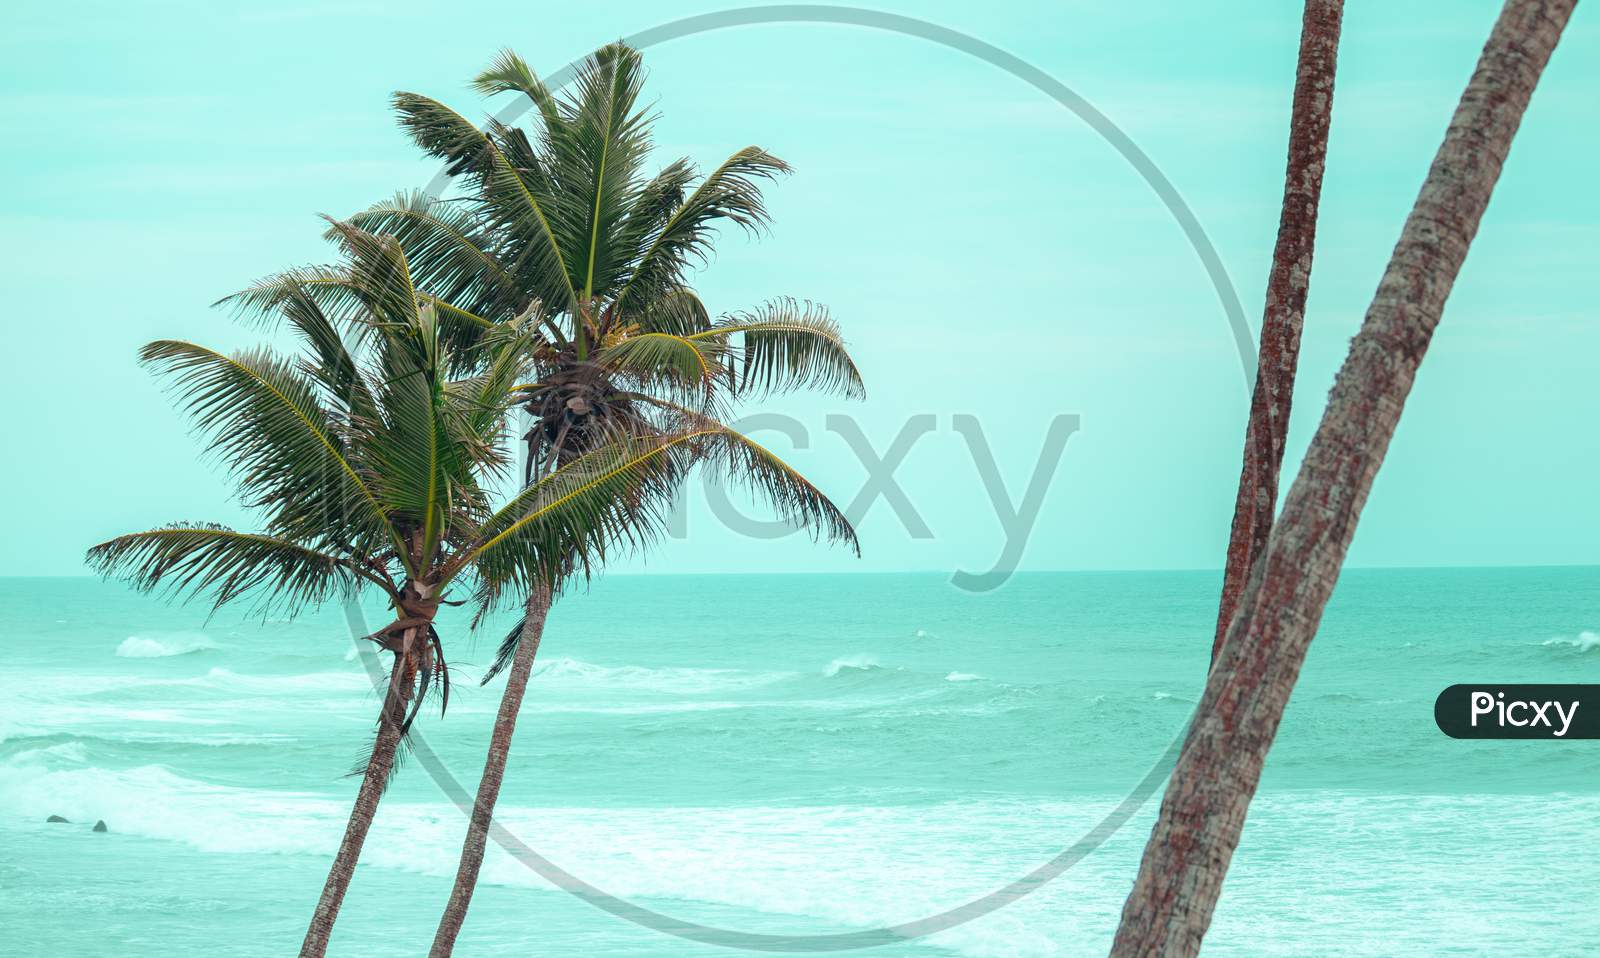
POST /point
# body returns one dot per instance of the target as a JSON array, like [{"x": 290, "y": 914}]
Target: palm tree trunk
[
  {"x": 494, "y": 771},
  {"x": 373, "y": 782},
  {"x": 1203, "y": 811},
  {"x": 1287, "y": 285}
]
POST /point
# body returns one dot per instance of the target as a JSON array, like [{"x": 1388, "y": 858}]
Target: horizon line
[{"x": 1217, "y": 570}]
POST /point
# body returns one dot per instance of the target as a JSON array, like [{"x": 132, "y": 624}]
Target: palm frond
[
  {"x": 787, "y": 344},
  {"x": 513, "y": 194},
  {"x": 331, "y": 287},
  {"x": 616, "y": 495},
  {"x": 506, "y": 358},
  {"x": 732, "y": 192},
  {"x": 381, "y": 275},
  {"x": 421, "y": 461},
  {"x": 596, "y": 156},
  {"x": 263, "y": 417},
  {"x": 504, "y": 652},
  {"x": 688, "y": 368},
  {"x": 202, "y": 559},
  {"x": 299, "y": 297},
  {"x": 621, "y": 495},
  {"x": 452, "y": 256},
  {"x": 676, "y": 310},
  {"x": 742, "y": 462},
  {"x": 509, "y": 73}
]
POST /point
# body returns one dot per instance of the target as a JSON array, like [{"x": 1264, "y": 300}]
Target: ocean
[{"x": 802, "y": 754}]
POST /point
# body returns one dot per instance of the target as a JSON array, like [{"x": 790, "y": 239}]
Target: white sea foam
[
  {"x": 573, "y": 674},
  {"x": 1583, "y": 641},
  {"x": 864, "y": 866},
  {"x": 859, "y": 662},
  {"x": 161, "y": 646},
  {"x": 962, "y": 677}
]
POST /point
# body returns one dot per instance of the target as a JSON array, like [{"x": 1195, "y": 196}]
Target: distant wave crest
[
  {"x": 577, "y": 674},
  {"x": 860, "y": 662},
  {"x": 1583, "y": 642},
  {"x": 183, "y": 643}
]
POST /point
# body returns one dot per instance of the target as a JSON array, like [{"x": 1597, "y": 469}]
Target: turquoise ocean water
[{"x": 794, "y": 754}]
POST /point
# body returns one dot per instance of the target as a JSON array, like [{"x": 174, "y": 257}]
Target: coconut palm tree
[
  {"x": 563, "y": 225},
  {"x": 1288, "y": 284},
  {"x": 1209, "y": 793},
  {"x": 373, "y": 469}
]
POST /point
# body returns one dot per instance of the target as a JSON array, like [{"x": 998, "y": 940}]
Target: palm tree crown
[{"x": 562, "y": 225}]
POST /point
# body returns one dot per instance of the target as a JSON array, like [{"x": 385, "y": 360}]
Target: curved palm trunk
[
  {"x": 494, "y": 770},
  {"x": 1203, "y": 810},
  {"x": 373, "y": 782},
  {"x": 1287, "y": 285}
]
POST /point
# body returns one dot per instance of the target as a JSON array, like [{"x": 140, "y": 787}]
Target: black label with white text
[{"x": 1519, "y": 711}]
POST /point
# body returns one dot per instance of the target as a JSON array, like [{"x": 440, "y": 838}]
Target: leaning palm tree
[
  {"x": 1288, "y": 285},
  {"x": 372, "y": 469},
  {"x": 561, "y": 227},
  {"x": 1203, "y": 812}
]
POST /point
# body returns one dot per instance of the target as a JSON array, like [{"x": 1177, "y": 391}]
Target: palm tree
[
  {"x": 562, "y": 225},
  {"x": 1203, "y": 810},
  {"x": 377, "y": 474},
  {"x": 1287, "y": 286}
]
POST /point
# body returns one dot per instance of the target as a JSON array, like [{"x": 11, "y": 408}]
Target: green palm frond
[
  {"x": 264, "y": 418},
  {"x": 618, "y": 494},
  {"x": 509, "y": 73},
  {"x": 298, "y": 299},
  {"x": 677, "y": 310},
  {"x": 657, "y": 199},
  {"x": 621, "y": 494},
  {"x": 596, "y": 156},
  {"x": 490, "y": 393},
  {"x": 452, "y": 255},
  {"x": 331, "y": 287},
  {"x": 513, "y": 191},
  {"x": 461, "y": 331},
  {"x": 686, "y": 367},
  {"x": 424, "y": 455},
  {"x": 742, "y": 462},
  {"x": 746, "y": 463},
  {"x": 213, "y": 560},
  {"x": 381, "y": 275},
  {"x": 787, "y": 344},
  {"x": 732, "y": 192}
]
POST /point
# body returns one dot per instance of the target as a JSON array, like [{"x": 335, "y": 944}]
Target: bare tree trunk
[
  {"x": 1287, "y": 285},
  {"x": 1203, "y": 811},
  {"x": 494, "y": 770},
  {"x": 373, "y": 782}
]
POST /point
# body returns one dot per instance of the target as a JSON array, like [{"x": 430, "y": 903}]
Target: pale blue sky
[{"x": 984, "y": 250}]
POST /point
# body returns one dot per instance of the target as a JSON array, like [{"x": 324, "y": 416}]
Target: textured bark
[
  {"x": 379, "y": 767},
  {"x": 1287, "y": 284},
  {"x": 1203, "y": 810},
  {"x": 494, "y": 770}
]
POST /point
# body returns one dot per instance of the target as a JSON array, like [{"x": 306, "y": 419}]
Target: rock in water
[
  {"x": 57, "y": 818},
  {"x": 100, "y": 826}
]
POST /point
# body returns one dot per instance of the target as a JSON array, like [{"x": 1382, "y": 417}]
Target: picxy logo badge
[{"x": 1496, "y": 711}]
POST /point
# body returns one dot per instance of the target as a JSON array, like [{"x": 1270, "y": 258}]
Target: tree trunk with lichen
[
  {"x": 1287, "y": 285},
  {"x": 494, "y": 770},
  {"x": 1203, "y": 810},
  {"x": 380, "y": 766}
]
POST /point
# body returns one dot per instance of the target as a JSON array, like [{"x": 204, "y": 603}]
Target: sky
[{"x": 990, "y": 257}]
